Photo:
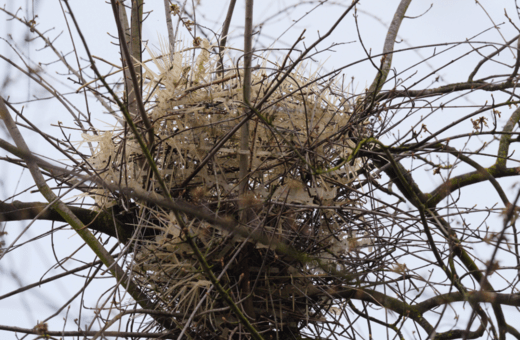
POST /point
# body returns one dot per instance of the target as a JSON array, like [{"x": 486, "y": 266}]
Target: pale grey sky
[{"x": 440, "y": 21}]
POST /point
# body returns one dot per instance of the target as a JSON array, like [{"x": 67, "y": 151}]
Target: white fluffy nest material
[{"x": 192, "y": 107}]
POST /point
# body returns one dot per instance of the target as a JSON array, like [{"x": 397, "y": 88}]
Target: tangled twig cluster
[{"x": 300, "y": 188}]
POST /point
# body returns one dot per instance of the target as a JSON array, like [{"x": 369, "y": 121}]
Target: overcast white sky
[{"x": 440, "y": 21}]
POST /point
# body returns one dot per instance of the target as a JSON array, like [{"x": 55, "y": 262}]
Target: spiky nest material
[{"x": 192, "y": 107}]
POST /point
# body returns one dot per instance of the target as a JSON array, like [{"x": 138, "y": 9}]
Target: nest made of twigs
[{"x": 305, "y": 127}]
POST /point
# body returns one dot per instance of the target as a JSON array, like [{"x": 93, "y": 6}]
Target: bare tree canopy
[{"x": 204, "y": 171}]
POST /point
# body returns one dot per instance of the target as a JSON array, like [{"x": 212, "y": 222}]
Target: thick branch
[
  {"x": 457, "y": 182},
  {"x": 388, "y": 49},
  {"x": 482, "y": 171},
  {"x": 133, "y": 72},
  {"x": 99, "y": 221},
  {"x": 135, "y": 43},
  {"x": 490, "y": 87},
  {"x": 476, "y": 296},
  {"x": 402, "y": 308},
  {"x": 223, "y": 37},
  {"x": 505, "y": 140}
]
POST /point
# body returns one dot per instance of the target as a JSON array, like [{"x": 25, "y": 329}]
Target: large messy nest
[{"x": 300, "y": 190}]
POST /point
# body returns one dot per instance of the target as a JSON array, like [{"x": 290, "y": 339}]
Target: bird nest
[{"x": 300, "y": 191}]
